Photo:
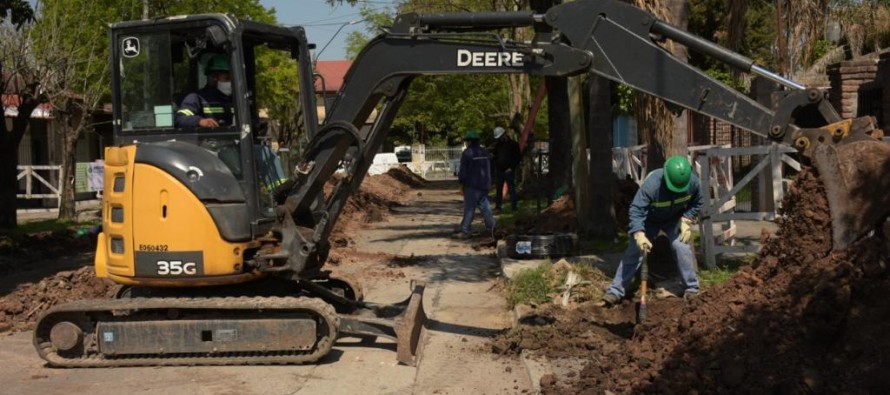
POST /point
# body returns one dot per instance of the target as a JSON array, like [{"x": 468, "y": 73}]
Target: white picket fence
[
  {"x": 37, "y": 175},
  {"x": 715, "y": 173}
]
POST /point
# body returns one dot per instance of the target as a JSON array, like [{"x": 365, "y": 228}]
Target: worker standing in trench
[{"x": 668, "y": 201}]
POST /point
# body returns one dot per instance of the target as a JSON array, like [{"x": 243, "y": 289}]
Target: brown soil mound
[
  {"x": 801, "y": 319},
  {"x": 20, "y": 309},
  {"x": 371, "y": 203},
  {"x": 406, "y": 176},
  {"x": 559, "y": 216}
]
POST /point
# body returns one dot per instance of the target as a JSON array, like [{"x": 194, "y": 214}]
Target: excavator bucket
[{"x": 856, "y": 176}]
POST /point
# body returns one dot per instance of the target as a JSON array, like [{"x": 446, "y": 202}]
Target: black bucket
[{"x": 542, "y": 246}]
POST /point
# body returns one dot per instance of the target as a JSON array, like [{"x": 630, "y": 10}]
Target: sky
[{"x": 322, "y": 21}]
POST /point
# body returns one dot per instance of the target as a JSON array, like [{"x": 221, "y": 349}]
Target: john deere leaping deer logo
[{"x": 130, "y": 47}]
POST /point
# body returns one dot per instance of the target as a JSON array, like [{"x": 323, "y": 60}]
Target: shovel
[{"x": 644, "y": 278}]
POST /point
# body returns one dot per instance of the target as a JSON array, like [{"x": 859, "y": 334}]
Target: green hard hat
[
  {"x": 471, "y": 135},
  {"x": 677, "y": 173},
  {"x": 217, "y": 63}
]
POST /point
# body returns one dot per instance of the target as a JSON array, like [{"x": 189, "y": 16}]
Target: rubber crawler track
[{"x": 91, "y": 310}]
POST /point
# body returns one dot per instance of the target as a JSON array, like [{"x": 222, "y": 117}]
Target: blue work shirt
[
  {"x": 655, "y": 204},
  {"x": 475, "y": 167},
  {"x": 208, "y": 102}
]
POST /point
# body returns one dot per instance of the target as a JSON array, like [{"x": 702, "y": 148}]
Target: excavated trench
[{"x": 801, "y": 319}]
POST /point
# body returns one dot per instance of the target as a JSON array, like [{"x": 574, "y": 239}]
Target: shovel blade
[{"x": 856, "y": 177}]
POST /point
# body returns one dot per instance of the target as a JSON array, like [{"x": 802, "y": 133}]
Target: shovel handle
[{"x": 644, "y": 278}]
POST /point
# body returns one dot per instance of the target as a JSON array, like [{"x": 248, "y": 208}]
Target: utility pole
[{"x": 144, "y": 10}]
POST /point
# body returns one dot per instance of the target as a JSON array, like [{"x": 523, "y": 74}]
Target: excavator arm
[{"x": 610, "y": 38}]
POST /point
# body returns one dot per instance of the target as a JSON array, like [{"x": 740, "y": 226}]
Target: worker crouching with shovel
[{"x": 668, "y": 201}]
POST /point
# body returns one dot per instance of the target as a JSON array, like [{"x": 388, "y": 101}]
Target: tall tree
[
  {"x": 663, "y": 130},
  {"x": 71, "y": 53},
  {"x": 14, "y": 78}
]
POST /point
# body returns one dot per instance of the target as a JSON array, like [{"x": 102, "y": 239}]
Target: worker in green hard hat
[
  {"x": 210, "y": 106},
  {"x": 668, "y": 201}
]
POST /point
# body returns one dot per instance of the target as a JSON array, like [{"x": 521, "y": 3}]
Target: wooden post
[
  {"x": 707, "y": 224},
  {"x": 775, "y": 162},
  {"x": 580, "y": 169}
]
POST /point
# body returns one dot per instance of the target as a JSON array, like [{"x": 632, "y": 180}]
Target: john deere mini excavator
[{"x": 219, "y": 268}]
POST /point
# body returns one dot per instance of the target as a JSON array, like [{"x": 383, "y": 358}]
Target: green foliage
[
  {"x": 374, "y": 20},
  {"x": 277, "y": 86},
  {"x": 725, "y": 269},
  {"x": 708, "y": 19},
  {"x": 19, "y": 12},
  {"x": 711, "y": 277},
  {"x": 623, "y": 99},
  {"x": 531, "y": 286}
]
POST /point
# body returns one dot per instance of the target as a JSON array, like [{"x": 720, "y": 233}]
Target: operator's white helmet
[{"x": 498, "y": 132}]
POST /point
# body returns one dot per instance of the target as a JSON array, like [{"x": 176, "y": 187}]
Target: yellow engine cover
[{"x": 157, "y": 233}]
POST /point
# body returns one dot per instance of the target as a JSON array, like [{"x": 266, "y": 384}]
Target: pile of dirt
[
  {"x": 559, "y": 216},
  {"x": 371, "y": 203},
  {"x": 406, "y": 176},
  {"x": 801, "y": 319},
  {"x": 20, "y": 309}
]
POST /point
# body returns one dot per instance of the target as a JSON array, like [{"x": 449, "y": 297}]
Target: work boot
[
  {"x": 690, "y": 294},
  {"x": 461, "y": 235},
  {"x": 609, "y": 300}
]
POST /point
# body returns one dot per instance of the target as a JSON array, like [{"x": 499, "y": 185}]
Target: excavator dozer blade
[
  {"x": 856, "y": 176},
  {"x": 408, "y": 327},
  {"x": 402, "y": 322}
]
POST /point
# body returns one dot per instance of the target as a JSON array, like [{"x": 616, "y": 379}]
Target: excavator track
[{"x": 187, "y": 331}]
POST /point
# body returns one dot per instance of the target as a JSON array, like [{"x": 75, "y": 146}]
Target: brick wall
[{"x": 846, "y": 77}]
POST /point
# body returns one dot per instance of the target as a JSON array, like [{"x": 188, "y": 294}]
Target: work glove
[
  {"x": 642, "y": 242},
  {"x": 685, "y": 230}
]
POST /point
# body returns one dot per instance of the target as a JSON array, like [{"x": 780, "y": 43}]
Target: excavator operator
[{"x": 210, "y": 106}]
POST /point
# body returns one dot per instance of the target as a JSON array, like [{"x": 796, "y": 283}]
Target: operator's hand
[
  {"x": 685, "y": 230},
  {"x": 642, "y": 242},
  {"x": 208, "y": 123}
]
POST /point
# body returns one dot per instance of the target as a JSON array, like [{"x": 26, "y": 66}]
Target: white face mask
[{"x": 225, "y": 87}]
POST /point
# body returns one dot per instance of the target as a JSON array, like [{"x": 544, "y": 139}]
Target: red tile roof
[
  {"x": 333, "y": 72},
  {"x": 12, "y": 101}
]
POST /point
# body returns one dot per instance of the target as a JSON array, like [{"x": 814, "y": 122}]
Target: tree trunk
[
  {"x": 70, "y": 132},
  {"x": 560, "y": 134},
  {"x": 601, "y": 179},
  {"x": 580, "y": 168},
  {"x": 9, "y": 160},
  {"x": 666, "y": 132}
]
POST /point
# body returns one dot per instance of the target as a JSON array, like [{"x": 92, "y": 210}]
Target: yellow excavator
[{"x": 218, "y": 265}]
